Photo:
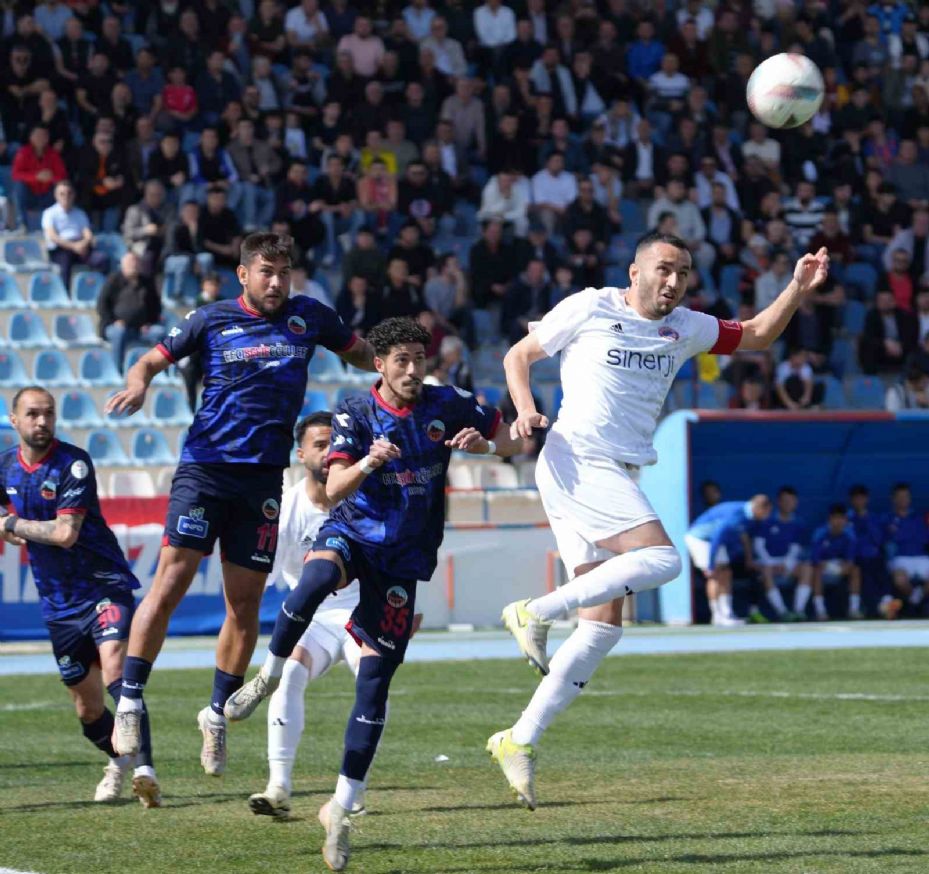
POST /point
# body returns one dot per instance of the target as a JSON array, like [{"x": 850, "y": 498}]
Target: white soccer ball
[{"x": 786, "y": 90}]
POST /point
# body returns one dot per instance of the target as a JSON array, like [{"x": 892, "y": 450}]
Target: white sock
[
  {"x": 128, "y": 705},
  {"x": 801, "y": 596},
  {"x": 122, "y": 761},
  {"x": 885, "y": 600},
  {"x": 725, "y": 605},
  {"x": 714, "y": 610},
  {"x": 854, "y": 603},
  {"x": 916, "y": 596},
  {"x": 273, "y": 666},
  {"x": 286, "y": 720},
  {"x": 636, "y": 571},
  {"x": 570, "y": 670},
  {"x": 144, "y": 771},
  {"x": 776, "y": 601},
  {"x": 347, "y": 791},
  {"x": 819, "y": 605}
]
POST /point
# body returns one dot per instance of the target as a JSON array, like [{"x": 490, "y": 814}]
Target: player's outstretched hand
[
  {"x": 468, "y": 440},
  {"x": 12, "y": 539},
  {"x": 811, "y": 270},
  {"x": 525, "y": 424},
  {"x": 382, "y": 451},
  {"x": 125, "y": 402}
]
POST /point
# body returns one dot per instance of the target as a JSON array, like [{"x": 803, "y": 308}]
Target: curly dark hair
[{"x": 394, "y": 331}]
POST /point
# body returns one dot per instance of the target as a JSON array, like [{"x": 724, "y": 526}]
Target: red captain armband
[{"x": 730, "y": 335}]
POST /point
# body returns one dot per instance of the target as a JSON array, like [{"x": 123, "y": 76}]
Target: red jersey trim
[
  {"x": 332, "y": 456},
  {"x": 730, "y": 335},
  {"x": 498, "y": 417},
  {"x": 245, "y": 307},
  {"x": 32, "y": 468},
  {"x": 72, "y": 511},
  {"x": 382, "y": 403},
  {"x": 351, "y": 343},
  {"x": 164, "y": 351}
]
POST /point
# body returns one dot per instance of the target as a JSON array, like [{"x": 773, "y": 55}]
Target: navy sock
[
  {"x": 135, "y": 676},
  {"x": 144, "y": 756},
  {"x": 223, "y": 686},
  {"x": 100, "y": 731},
  {"x": 366, "y": 723},
  {"x": 320, "y": 578}
]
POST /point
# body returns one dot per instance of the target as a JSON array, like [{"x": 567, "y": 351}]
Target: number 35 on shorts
[{"x": 396, "y": 618}]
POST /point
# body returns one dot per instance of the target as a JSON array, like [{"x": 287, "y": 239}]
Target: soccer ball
[{"x": 786, "y": 90}]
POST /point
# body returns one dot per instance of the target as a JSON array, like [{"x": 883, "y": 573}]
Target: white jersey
[
  {"x": 300, "y": 521},
  {"x": 617, "y": 368}
]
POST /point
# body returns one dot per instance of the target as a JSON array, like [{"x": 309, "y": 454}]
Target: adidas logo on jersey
[{"x": 616, "y": 328}]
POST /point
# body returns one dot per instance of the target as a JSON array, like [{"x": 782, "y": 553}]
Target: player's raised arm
[
  {"x": 345, "y": 477},
  {"x": 360, "y": 354},
  {"x": 761, "y": 331},
  {"x": 138, "y": 379},
  {"x": 516, "y": 365}
]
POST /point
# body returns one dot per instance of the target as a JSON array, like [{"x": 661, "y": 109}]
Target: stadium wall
[{"x": 818, "y": 454}]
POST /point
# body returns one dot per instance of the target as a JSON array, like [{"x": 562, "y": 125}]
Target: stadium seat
[
  {"x": 462, "y": 475},
  {"x": 633, "y": 219},
  {"x": 526, "y": 474},
  {"x": 125, "y": 420},
  {"x": 485, "y": 325},
  {"x": 132, "y": 484},
  {"x": 863, "y": 277},
  {"x": 729, "y": 278},
  {"x": 325, "y": 366},
  {"x": 866, "y": 393},
  {"x": 616, "y": 276},
  {"x": 169, "y": 407},
  {"x": 12, "y": 371},
  {"x": 105, "y": 449},
  {"x": 466, "y": 507},
  {"x": 150, "y": 447},
  {"x": 515, "y": 507},
  {"x": 10, "y": 295},
  {"x": 4, "y": 413},
  {"x": 314, "y": 401},
  {"x": 547, "y": 369},
  {"x": 497, "y": 476},
  {"x": 844, "y": 357},
  {"x": 111, "y": 243},
  {"x": 70, "y": 330},
  {"x": 493, "y": 394},
  {"x": 85, "y": 288},
  {"x": 853, "y": 315},
  {"x": 77, "y": 409},
  {"x": 27, "y": 331},
  {"x": 834, "y": 398},
  {"x": 47, "y": 290},
  {"x": 51, "y": 368},
  {"x": 8, "y": 439},
  {"x": 97, "y": 368},
  {"x": 23, "y": 255}
]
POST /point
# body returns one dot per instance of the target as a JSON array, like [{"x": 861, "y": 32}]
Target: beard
[
  {"x": 319, "y": 474},
  {"x": 39, "y": 440}
]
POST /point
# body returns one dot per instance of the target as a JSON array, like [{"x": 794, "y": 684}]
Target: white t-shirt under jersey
[
  {"x": 300, "y": 521},
  {"x": 617, "y": 368}
]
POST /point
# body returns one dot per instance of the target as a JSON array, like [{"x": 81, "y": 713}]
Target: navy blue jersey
[
  {"x": 64, "y": 482},
  {"x": 254, "y": 375},
  {"x": 780, "y": 538},
  {"x": 906, "y": 535},
  {"x": 827, "y": 546},
  {"x": 869, "y": 534},
  {"x": 397, "y": 515}
]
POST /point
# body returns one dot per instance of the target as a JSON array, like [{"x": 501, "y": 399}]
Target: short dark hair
[
  {"x": 269, "y": 246},
  {"x": 396, "y": 331},
  {"x": 787, "y": 490},
  {"x": 858, "y": 489},
  {"x": 29, "y": 388},
  {"x": 898, "y": 487},
  {"x": 653, "y": 237},
  {"x": 321, "y": 418},
  {"x": 838, "y": 510}
]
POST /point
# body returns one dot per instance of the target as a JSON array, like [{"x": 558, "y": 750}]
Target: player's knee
[
  {"x": 664, "y": 563},
  {"x": 88, "y": 710},
  {"x": 319, "y": 578}
]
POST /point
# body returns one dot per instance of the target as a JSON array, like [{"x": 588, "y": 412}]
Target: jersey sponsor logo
[
  {"x": 79, "y": 469},
  {"x": 69, "y": 670},
  {"x": 271, "y": 509},
  {"x": 435, "y": 430},
  {"x": 397, "y": 596},
  {"x": 274, "y": 350},
  {"x": 231, "y": 332},
  {"x": 48, "y": 490},
  {"x": 668, "y": 333},
  {"x": 10, "y": 490},
  {"x": 412, "y": 477},
  {"x": 193, "y": 525},
  {"x": 296, "y": 326},
  {"x": 631, "y": 359},
  {"x": 617, "y": 328},
  {"x": 72, "y": 493}
]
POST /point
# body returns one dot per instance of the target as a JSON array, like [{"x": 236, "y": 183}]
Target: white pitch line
[
  {"x": 15, "y": 871},
  {"x": 27, "y": 705}
]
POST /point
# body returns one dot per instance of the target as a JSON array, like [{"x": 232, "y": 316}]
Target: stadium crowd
[{"x": 472, "y": 164}]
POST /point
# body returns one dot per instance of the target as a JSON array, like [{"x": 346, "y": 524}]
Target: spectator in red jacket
[{"x": 37, "y": 167}]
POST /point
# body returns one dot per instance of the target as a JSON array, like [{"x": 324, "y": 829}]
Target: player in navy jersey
[
  {"x": 254, "y": 351},
  {"x": 390, "y": 451},
  {"x": 48, "y": 492},
  {"x": 907, "y": 541},
  {"x": 832, "y": 555}
]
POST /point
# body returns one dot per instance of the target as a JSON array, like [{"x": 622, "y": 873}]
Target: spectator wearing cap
[
  {"x": 506, "y": 198},
  {"x": 889, "y": 336}
]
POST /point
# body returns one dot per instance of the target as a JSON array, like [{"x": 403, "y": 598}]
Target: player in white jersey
[
  {"x": 304, "y": 508},
  {"x": 620, "y": 350}
]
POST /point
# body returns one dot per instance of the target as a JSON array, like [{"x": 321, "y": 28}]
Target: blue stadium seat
[
  {"x": 105, "y": 449},
  {"x": 72, "y": 330},
  {"x": 4, "y": 413},
  {"x": 616, "y": 276},
  {"x": 834, "y": 398},
  {"x": 150, "y": 447},
  {"x": 12, "y": 370},
  {"x": 863, "y": 277},
  {"x": 85, "y": 288},
  {"x": 548, "y": 369},
  {"x": 27, "y": 331},
  {"x": 853, "y": 316},
  {"x": 23, "y": 255},
  {"x": 166, "y": 377},
  {"x": 10, "y": 295},
  {"x": 866, "y": 393},
  {"x": 77, "y": 409},
  {"x": 111, "y": 243},
  {"x": 729, "y": 278},
  {"x": 492, "y": 394},
  {"x": 8, "y": 439},
  {"x": 686, "y": 372},
  {"x": 314, "y": 401},
  {"x": 325, "y": 366},
  {"x": 633, "y": 218},
  {"x": 844, "y": 357},
  {"x": 707, "y": 396},
  {"x": 51, "y": 368},
  {"x": 97, "y": 368},
  {"x": 486, "y": 325},
  {"x": 47, "y": 290},
  {"x": 169, "y": 407}
]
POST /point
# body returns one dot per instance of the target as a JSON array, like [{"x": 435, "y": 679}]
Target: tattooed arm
[{"x": 61, "y": 531}]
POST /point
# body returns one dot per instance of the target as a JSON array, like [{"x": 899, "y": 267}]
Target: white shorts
[
  {"x": 914, "y": 565},
  {"x": 790, "y": 564},
  {"x": 586, "y": 500},
  {"x": 700, "y": 553},
  {"x": 326, "y": 634}
]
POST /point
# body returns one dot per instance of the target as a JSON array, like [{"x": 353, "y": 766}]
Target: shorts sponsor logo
[
  {"x": 73, "y": 493},
  {"x": 10, "y": 490},
  {"x": 110, "y": 631},
  {"x": 668, "y": 333},
  {"x": 271, "y": 509},
  {"x": 397, "y": 596},
  {"x": 339, "y": 545},
  {"x": 435, "y": 430},
  {"x": 387, "y": 644},
  {"x": 48, "y": 490},
  {"x": 296, "y": 326},
  {"x": 79, "y": 469},
  {"x": 193, "y": 525},
  {"x": 69, "y": 670},
  {"x": 261, "y": 559},
  {"x": 102, "y": 605}
]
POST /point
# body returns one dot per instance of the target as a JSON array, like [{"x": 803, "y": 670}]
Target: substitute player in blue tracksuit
[
  {"x": 389, "y": 456},
  {"x": 48, "y": 493},
  {"x": 254, "y": 351},
  {"x": 907, "y": 542},
  {"x": 832, "y": 556}
]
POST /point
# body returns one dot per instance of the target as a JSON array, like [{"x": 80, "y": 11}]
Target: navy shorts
[
  {"x": 238, "y": 504},
  {"x": 75, "y": 639},
  {"x": 383, "y": 618}
]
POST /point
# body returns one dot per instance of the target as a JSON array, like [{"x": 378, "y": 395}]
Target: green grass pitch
[{"x": 760, "y": 762}]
